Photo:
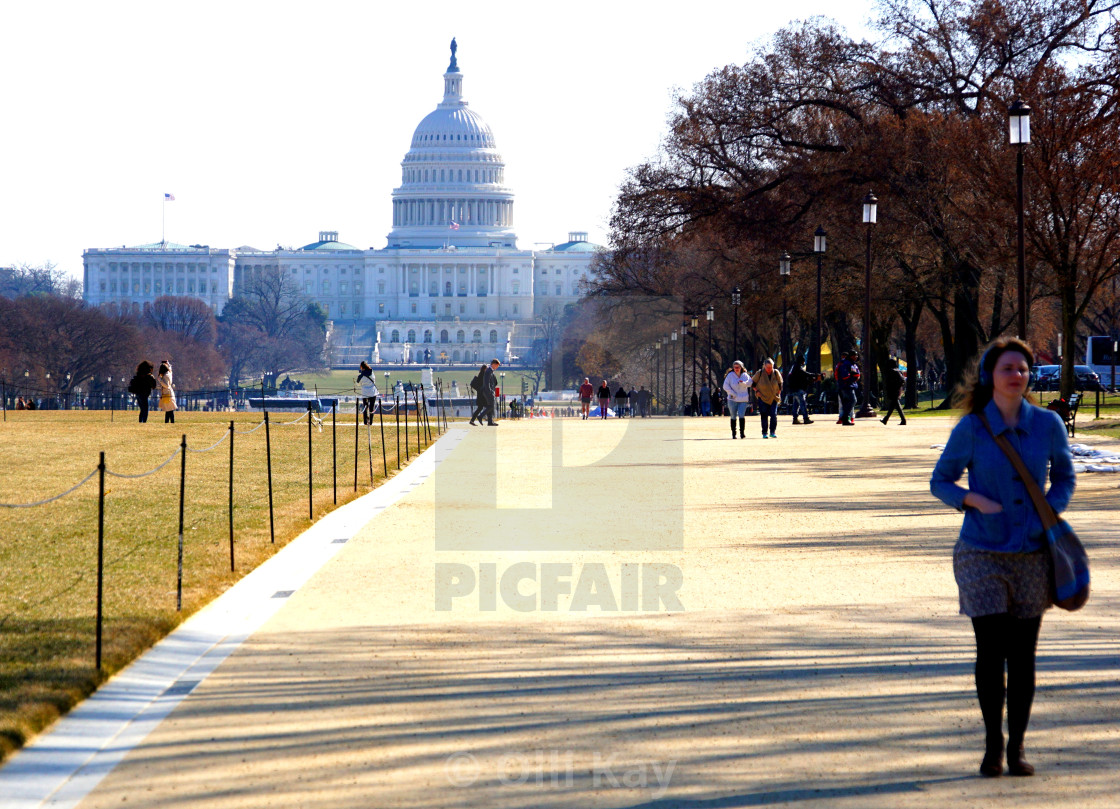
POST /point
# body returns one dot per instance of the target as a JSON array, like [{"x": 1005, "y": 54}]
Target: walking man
[
  {"x": 586, "y": 391},
  {"x": 798, "y": 384},
  {"x": 847, "y": 381},
  {"x": 489, "y": 386},
  {"x": 768, "y": 392},
  {"x": 893, "y": 382},
  {"x": 737, "y": 385}
]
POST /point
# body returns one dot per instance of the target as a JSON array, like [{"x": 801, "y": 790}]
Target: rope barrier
[
  {"x": 77, "y": 485},
  {"x": 220, "y": 440},
  {"x": 247, "y": 432},
  {"x": 145, "y": 474}
]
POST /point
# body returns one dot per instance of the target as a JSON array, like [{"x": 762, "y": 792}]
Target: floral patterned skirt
[{"x": 991, "y": 583}]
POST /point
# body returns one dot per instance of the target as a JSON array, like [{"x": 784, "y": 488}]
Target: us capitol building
[{"x": 450, "y": 286}]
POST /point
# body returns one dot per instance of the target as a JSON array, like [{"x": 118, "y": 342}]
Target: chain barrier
[
  {"x": 145, "y": 474},
  {"x": 76, "y": 486}
]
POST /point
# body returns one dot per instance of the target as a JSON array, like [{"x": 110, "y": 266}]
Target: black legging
[
  {"x": 894, "y": 402},
  {"x": 1004, "y": 639},
  {"x": 142, "y": 401},
  {"x": 480, "y": 408}
]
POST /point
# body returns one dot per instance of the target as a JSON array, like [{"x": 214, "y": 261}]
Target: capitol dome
[{"x": 452, "y": 191}]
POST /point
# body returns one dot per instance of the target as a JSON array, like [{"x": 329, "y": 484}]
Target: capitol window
[
  {"x": 493, "y": 336},
  {"x": 343, "y": 287},
  {"x": 412, "y": 335},
  {"x": 396, "y": 336},
  {"x": 357, "y": 287},
  {"x": 476, "y": 336},
  {"x": 381, "y": 307},
  {"x": 380, "y": 288},
  {"x": 414, "y": 307},
  {"x": 558, "y": 288},
  {"x": 102, "y": 286},
  {"x": 427, "y": 335},
  {"x": 443, "y": 336},
  {"x": 515, "y": 309}
]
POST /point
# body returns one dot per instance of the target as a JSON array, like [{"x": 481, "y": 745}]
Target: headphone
[{"x": 985, "y": 374}]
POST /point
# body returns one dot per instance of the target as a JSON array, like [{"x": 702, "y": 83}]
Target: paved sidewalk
[{"x": 818, "y": 660}]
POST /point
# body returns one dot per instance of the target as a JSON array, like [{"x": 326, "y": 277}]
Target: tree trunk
[{"x": 1068, "y": 295}]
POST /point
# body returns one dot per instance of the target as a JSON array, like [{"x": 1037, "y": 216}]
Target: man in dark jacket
[
  {"x": 893, "y": 382},
  {"x": 489, "y": 386},
  {"x": 799, "y": 383},
  {"x": 847, "y": 382}
]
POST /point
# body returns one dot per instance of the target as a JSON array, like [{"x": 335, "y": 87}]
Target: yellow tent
[{"x": 826, "y": 359}]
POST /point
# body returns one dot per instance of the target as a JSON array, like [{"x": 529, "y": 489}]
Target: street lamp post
[
  {"x": 736, "y": 297},
  {"x": 655, "y": 388},
  {"x": 711, "y": 316},
  {"x": 502, "y": 399},
  {"x": 870, "y": 215},
  {"x": 695, "y": 336},
  {"x": 669, "y": 377},
  {"x": 819, "y": 239},
  {"x": 783, "y": 271},
  {"x": 1019, "y": 123},
  {"x": 684, "y": 362}
]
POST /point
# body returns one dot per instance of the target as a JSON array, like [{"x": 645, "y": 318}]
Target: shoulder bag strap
[{"x": 1045, "y": 511}]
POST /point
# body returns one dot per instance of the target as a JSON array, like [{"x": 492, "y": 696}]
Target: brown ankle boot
[
  {"x": 992, "y": 765},
  {"x": 1016, "y": 764}
]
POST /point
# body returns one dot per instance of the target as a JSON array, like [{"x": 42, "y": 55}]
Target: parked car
[
  {"x": 1046, "y": 377},
  {"x": 1049, "y": 377}
]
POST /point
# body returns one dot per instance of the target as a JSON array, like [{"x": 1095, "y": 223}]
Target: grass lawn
[{"x": 48, "y": 554}]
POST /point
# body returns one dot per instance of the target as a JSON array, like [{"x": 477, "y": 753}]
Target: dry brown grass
[{"x": 48, "y": 554}]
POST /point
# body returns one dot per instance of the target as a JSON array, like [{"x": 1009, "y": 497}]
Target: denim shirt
[{"x": 1040, "y": 439}]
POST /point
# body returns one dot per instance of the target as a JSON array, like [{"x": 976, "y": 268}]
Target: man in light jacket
[
  {"x": 737, "y": 385},
  {"x": 768, "y": 389}
]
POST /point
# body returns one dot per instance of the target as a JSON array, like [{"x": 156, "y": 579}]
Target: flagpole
[{"x": 163, "y": 225}]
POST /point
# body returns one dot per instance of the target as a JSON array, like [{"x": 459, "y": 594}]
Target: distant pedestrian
[
  {"x": 369, "y": 391},
  {"x": 893, "y": 382},
  {"x": 847, "y": 382},
  {"x": 141, "y": 386},
  {"x": 166, "y": 392},
  {"x": 1001, "y": 562},
  {"x": 644, "y": 397},
  {"x": 620, "y": 398},
  {"x": 737, "y": 386},
  {"x": 586, "y": 391},
  {"x": 694, "y": 405},
  {"x": 479, "y": 399},
  {"x": 768, "y": 393},
  {"x": 705, "y": 400},
  {"x": 798, "y": 386},
  {"x": 489, "y": 391},
  {"x": 632, "y": 402},
  {"x": 604, "y": 399}
]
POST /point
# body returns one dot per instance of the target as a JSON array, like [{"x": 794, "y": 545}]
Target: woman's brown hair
[{"x": 974, "y": 391}]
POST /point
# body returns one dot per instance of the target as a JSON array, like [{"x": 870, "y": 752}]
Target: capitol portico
[{"x": 451, "y": 284}]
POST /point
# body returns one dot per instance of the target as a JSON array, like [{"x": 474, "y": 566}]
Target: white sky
[{"x": 271, "y": 121}]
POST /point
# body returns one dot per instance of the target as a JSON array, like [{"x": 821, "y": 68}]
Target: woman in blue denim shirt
[{"x": 1000, "y": 561}]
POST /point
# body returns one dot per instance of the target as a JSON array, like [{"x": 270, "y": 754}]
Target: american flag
[
  {"x": 168, "y": 197},
  {"x": 454, "y": 225}
]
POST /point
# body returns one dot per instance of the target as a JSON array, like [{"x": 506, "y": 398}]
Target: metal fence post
[
  {"x": 310, "y": 486},
  {"x": 268, "y": 455},
  {"x": 100, "y": 554},
  {"x": 231, "y": 431},
  {"x": 182, "y": 498}
]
